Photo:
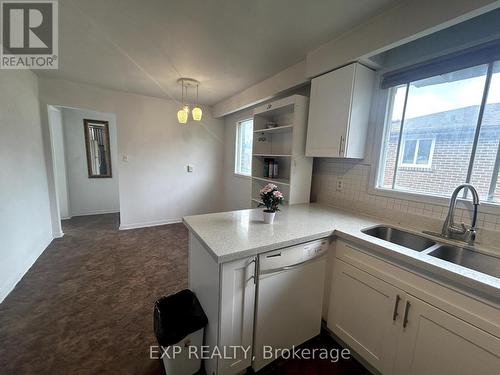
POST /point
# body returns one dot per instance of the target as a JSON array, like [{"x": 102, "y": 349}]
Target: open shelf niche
[{"x": 280, "y": 135}]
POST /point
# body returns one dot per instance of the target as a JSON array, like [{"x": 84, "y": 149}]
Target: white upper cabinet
[{"x": 339, "y": 111}]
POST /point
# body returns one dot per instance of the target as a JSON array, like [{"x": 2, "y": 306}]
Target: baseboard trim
[
  {"x": 59, "y": 234},
  {"x": 11, "y": 284},
  {"x": 98, "y": 212},
  {"x": 149, "y": 224}
]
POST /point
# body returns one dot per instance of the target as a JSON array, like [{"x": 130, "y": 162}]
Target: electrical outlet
[
  {"x": 340, "y": 184},
  {"x": 190, "y": 168}
]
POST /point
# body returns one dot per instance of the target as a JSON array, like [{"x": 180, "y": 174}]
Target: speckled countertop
[{"x": 237, "y": 234}]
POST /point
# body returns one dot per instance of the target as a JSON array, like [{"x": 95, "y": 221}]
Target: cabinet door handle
[
  {"x": 340, "y": 146},
  {"x": 405, "y": 318},
  {"x": 395, "y": 312}
]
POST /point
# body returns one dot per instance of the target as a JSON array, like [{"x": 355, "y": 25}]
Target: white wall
[
  {"x": 154, "y": 186},
  {"x": 89, "y": 196},
  {"x": 57, "y": 138},
  {"x": 25, "y": 222}
]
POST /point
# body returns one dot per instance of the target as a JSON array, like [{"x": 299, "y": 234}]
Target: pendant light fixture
[
  {"x": 183, "y": 113},
  {"x": 197, "y": 112}
]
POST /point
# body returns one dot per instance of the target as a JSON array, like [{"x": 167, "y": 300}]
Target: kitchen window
[
  {"x": 243, "y": 154},
  {"x": 443, "y": 130}
]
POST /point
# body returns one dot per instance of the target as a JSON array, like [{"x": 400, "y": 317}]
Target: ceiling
[{"x": 144, "y": 46}]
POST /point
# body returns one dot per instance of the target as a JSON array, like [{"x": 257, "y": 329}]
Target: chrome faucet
[{"x": 461, "y": 232}]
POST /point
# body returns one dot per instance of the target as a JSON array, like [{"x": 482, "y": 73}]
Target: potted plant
[{"x": 271, "y": 198}]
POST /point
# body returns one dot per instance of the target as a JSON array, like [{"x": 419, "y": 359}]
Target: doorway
[{"x": 85, "y": 159}]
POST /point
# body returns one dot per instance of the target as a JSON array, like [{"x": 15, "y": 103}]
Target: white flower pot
[{"x": 269, "y": 217}]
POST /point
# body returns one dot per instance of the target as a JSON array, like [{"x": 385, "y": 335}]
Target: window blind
[{"x": 478, "y": 55}]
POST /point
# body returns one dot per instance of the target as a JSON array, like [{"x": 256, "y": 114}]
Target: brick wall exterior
[{"x": 453, "y": 132}]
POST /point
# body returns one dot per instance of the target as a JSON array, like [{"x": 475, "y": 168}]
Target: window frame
[
  {"x": 382, "y": 102},
  {"x": 237, "y": 151}
]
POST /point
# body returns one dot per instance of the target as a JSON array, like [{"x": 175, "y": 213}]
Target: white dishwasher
[{"x": 289, "y": 297}]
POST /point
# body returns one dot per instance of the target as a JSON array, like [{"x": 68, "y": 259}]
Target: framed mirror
[{"x": 98, "y": 150}]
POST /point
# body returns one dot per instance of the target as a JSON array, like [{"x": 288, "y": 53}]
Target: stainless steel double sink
[
  {"x": 400, "y": 237},
  {"x": 461, "y": 256}
]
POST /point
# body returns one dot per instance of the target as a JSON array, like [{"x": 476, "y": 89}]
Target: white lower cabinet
[
  {"x": 361, "y": 312},
  {"x": 237, "y": 313},
  {"x": 398, "y": 333},
  {"x": 227, "y": 294},
  {"x": 435, "y": 342}
]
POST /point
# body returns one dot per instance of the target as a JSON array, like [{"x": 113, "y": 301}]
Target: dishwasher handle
[{"x": 286, "y": 268}]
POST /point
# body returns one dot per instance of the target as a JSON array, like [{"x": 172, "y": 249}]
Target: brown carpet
[{"x": 85, "y": 307}]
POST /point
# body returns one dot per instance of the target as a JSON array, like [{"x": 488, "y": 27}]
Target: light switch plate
[{"x": 190, "y": 168}]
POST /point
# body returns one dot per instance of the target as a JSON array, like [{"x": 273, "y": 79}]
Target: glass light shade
[
  {"x": 197, "y": 112},
  {"x": 182, "y": 115}
]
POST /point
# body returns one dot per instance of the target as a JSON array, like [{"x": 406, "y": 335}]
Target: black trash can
[{"x": 179, "y": 322}]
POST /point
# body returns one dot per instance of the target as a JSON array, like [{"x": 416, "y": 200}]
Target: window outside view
[
  {"x": 244, "y": 138},
  {"x": 438, "y": 135}
]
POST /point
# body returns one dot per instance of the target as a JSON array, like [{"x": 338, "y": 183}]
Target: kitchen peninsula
[{"x": 224, "y": 251}]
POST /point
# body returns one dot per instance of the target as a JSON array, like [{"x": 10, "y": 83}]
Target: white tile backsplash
[{"x": 355, "y": 197}]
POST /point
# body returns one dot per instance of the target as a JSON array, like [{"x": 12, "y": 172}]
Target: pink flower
[
  {"x": 278, "y": 194},
  {"x": 268, "y": 188}
]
